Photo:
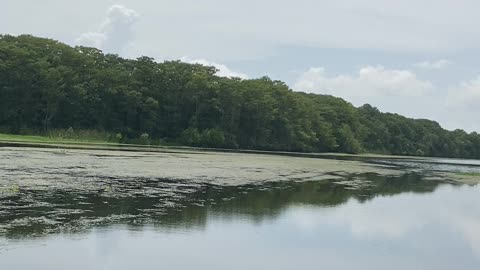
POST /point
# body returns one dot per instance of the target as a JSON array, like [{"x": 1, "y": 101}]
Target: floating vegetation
[
  {"x": 469, "y": 174},
  {"x": 9, "y": 190},
  {"x": 78, "y": 189}
]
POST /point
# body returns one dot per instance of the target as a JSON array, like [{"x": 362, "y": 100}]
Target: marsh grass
[{"x": 59, "y": 136}]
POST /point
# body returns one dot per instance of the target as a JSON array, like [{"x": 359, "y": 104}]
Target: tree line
[{"x": 47, "y": 85}]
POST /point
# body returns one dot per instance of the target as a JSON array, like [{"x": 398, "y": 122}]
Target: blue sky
[{"x": 416, "y": 58}]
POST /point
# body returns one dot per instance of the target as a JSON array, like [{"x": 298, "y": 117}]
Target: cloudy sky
[{"x": 417, "y": 58}]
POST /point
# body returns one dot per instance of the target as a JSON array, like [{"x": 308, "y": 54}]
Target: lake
[{"x": 97, "y": 209}]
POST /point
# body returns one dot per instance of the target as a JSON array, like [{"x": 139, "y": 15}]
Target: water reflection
[
  {"x": 118, "y": 212},
  {"x": 178, "y": 204},
  {"x": 428, "y": 227}
]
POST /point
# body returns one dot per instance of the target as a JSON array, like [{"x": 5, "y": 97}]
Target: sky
[{"x": 420, "y": 59}]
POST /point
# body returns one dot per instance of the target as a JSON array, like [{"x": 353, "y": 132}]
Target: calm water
[{"x": 85, "y": 210}]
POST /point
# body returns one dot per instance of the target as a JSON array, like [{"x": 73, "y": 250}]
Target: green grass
[
  {"x": 79, "y": 139},
  {"x": 98, "y": 139},
  {"x": 48, "y": 139},
  {"x": 92, "y": 140}
]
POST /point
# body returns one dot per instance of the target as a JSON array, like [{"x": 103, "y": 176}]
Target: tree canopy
[{"x": 45, "y": 85}]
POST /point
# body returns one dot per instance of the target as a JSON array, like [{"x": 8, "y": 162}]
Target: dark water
[{"x": 359, "y": 221}]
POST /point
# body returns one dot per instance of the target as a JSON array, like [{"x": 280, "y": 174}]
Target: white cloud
[
  {"x": 466, "y": 95},
  {"x": 221, "y": 30},
  {"x": 114, "y": 33},
  {"x": 453, "y": 105},
  {"x": 439, "y": 64},
  {"x": 223, "y": 70},
  {"x": 369, "y": 81}
]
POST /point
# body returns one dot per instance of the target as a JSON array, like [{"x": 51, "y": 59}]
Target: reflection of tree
[
  {"x": 268, "y": 200},
  {"x": 41, "y": 212}
]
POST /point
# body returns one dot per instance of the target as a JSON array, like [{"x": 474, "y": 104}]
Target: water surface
[{"x": 77, "y": 209}]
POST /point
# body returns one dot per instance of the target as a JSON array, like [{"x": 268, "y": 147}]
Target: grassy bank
[
  {"x": 59, "y": 140},
  {"x": 49, "y": 139}
]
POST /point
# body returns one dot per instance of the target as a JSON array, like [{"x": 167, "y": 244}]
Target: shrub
[
  {"x": 212, "y": 138},
  {"x": 144, "y": 139},
  {"x": 190, "y": 137}
]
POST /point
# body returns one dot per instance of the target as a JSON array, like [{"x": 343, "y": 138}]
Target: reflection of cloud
[
  {"x": 374, "y": 219},
  {"x": 114, "y": 33},
  {"x": 471, "y": 229},
  {"x": 393, "y": 218},
  {"x": 392, "y": 225}
]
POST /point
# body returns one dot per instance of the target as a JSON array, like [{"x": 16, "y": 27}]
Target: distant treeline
[{"x": 47, "y": 85}]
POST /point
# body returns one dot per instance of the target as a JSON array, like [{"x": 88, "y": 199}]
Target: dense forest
[{"x": 46, "y": 85}]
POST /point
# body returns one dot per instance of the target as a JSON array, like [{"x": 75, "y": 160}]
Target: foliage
[{"x": 47, "y": 86}]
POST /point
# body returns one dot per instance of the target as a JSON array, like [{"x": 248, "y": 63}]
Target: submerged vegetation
[{"x": 80, "y": 93}]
